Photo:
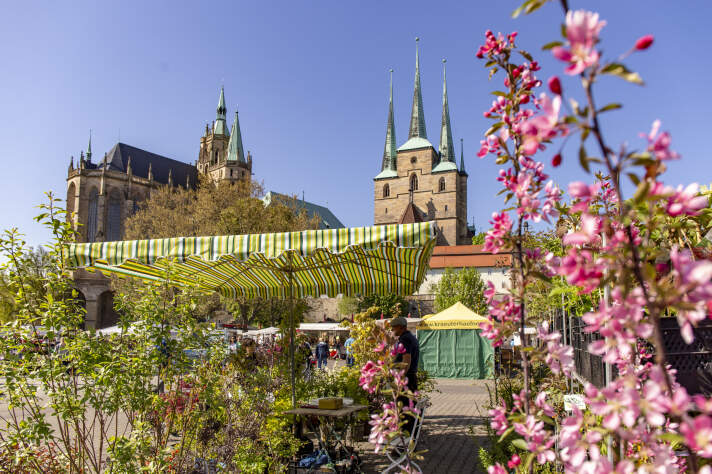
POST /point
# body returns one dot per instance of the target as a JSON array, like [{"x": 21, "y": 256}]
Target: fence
[{"x": 693, "y": 362}]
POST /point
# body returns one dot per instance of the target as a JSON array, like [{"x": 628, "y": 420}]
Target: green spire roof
[
  {"x": 417, "y": 118},
  {"x": 462, "y": 158},
  {"x": 234, "y": 148},
  {"x": 447, "y": 149},
  {"x": 388, "y": 167},
  {"x": 417, "y": 138},
  {"x": 220, "y": 127}
]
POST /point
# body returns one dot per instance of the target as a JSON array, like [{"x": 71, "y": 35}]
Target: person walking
[
  {"x": 349, "y": 353},
  {"x": 322, "y": 354}
]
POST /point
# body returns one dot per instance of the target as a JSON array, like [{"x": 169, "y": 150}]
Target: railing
[{"x": 693, "y": 362}]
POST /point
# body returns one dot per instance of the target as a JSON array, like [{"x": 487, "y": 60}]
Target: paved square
[{"x": 451, "y": 447}]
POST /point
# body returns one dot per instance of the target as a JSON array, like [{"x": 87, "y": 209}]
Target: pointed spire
[
  {"x": 447, "y": 149},
  {"x": 89, "y": 148},
  {"x": 389, "y": 151},
  {"x": 234, "y": 147},
  {"x": 462, "y": 158},
  {"x": 220, "y": 125},
  {"x": 417, "y": 118},
  {"x": 71, "y": 163}
]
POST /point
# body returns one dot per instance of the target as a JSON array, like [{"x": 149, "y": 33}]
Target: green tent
[{"x": 451, "y": 345}]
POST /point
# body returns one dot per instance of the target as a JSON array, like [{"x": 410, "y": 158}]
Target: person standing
[
  {"x": 409, "y": 358},
  {"x": 322, "y": 353},
  {"x": 349, "y": 353}
]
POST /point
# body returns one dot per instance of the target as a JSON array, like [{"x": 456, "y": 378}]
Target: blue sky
[{"x": 311, "y": 83}]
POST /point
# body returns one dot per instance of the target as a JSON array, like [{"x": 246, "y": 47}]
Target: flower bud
[
  {"x": 644, "y": 42},
  {"x": 556, "y": 160},
  {"x": 555, "y": 85}
]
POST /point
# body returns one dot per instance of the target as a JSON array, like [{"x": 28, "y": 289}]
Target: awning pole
[{"x": 290, "y": 293}]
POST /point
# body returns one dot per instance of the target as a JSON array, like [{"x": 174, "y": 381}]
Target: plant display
[{"x": 638, "y": 257}]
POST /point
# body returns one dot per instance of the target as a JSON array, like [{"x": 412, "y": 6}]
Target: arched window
[
  {"x": 441, "y": 185},
  {"x": 92, "y": 215},
  {"x": 113, "y": 216},
  {"x": 71, "y": 196},
  {"x": 386, "y": 190},
  {"x": 413, "y": 182}
]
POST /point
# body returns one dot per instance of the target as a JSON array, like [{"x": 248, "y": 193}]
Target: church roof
[
  {"x": 118, "y": 158},
  {"x": 389, "y": 164},
  {"x": 417, "y": 117},
  {"x": 415, "y": 143},
  {"x": 411, "y": 215},
  {"x": 234, "y": 147},
  {"x": 327, "y": 219}
]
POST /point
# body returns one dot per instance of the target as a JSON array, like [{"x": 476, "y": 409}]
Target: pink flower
[
  {"x": 538, "y": 440},
  {"x": 659, "y": 145},
  {"x": 496, "y": 469},
  {"x": 501, "y": 226},
  {"x": 556, "y": 160},
  {"x": 369, "y": 373},
  {"x": 499, "y": 419},
  {"x": 589, "y": 233},
  {"x": 698, "y": 435},
  {"x": 582, "y": 29},
  {"x": 514, "y": 461},
  {"x": 543, "y": 126},
  {"x": 555, "y": 85},
  {"x": 685, "y": 201},
  {"x": 644, "y": 42}
]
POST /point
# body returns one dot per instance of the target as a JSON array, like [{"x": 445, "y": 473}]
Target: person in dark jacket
[
  {"x": 407, "y": 360},
  {"x": 322, "y": 354}
]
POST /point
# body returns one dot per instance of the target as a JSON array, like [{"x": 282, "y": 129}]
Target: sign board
[{"x": 574, "y": 400}]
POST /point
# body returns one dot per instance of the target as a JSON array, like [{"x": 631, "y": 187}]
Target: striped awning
[{"x": 376, "y": 260}]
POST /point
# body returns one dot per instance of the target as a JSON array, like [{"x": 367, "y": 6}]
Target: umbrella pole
[{"x": 291, "y": 331}]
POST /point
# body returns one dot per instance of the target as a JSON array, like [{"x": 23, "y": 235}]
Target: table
[{"x": 346, "y": 413}]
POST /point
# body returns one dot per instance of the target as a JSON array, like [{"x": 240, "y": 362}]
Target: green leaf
[
  {"x": 634, "y": 178},
  {"x": 583, "y": 159},
  {"x": 563, "y": 30},
  {"x": 507, "y": 432},
  {"x": 641, "y": 192},
  {"x": 526, "y": 55},
  {"x": 499, "y": 93},
  {"x": 551, "y": 45},
  {"x": 608, "y": 107},
  {"x": 520, "y": 444},
  {"x": 494, "y": 128},
  {"x": 618, "y": 69}
]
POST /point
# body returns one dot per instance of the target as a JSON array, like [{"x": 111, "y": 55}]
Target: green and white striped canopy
[{"x": 378, "y": 260}]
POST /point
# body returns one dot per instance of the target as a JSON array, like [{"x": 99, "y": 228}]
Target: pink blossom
[
  {"x": 589, "y": 232},
  {"x": 559, "y": 358},
  {"x": 514, "y": 461},
  {"x": 644, "y": 42},
  {"x": 694, "y": 289},
  {"x": 499, "y": 419},
  {"x": 501, "y": 226},
  {"x": 541, "y": 127},
  {"x": 538, "y": 440},
  {"x": 580, "y": 269},
  {"x": 384, "y": 425},
  {"x": 582, "y": 29},
  {"x": 685, "y": 201},
  {"x": 369, "y": 372},
  {"x": 496, "y": 469},
  {"x": 698, "y": 435},
  {"x": 540, "y": 402},
  {"x": 659, "y": 145}
]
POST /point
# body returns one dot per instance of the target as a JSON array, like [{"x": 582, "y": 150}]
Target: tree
[
  {"x": 465, "y": 286},
  {"x": 33, "y": 264},
  {"x": 390, "y": 305},
  {"x": 219, "y": 209},
  {"x": 347, "y": 305},
  {"x": 478, "y": 238}
]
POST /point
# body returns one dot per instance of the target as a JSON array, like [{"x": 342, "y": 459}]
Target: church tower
[
  {"x": 221, "y": 155},
  {"x": 418, "y": 183}
]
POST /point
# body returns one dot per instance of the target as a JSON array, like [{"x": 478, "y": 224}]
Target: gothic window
[
  {"x": 441, "y": 185},
  {"x": 92, "y": 215},
  {"x": 71, "y": 195},
  {"x": 113, "y": 216},
  {"x": 386, "y": 191},
  {"x": 413, "y": 159},
  {"x": 413, "y": 182}
]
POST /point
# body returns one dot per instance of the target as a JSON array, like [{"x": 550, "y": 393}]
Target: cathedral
[
  {"x": 101, "y": 195},
  {"x": 418, "y": 183}
]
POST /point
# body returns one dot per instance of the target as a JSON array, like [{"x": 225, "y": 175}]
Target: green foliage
[
  {"x": 347, "y": 305},
  {"x": 479, "y": 238},
  {"x": 464, "y": 285},
  {"x": 389, "y": 305}
]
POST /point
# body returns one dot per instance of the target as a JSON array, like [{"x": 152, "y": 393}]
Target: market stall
[{"x": 451, "y": 345}]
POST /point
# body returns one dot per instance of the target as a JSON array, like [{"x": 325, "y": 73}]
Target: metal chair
[{"x": 397, "y": 453}]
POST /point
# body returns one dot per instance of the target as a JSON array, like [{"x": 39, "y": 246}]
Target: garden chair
[{"x": 397, "y": 453}]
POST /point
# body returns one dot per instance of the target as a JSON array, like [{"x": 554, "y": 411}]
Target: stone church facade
[
  {"x": 102, "y": 195},
  {"x": 418, "y": 183}
]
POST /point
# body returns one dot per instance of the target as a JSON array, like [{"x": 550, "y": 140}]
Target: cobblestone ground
[{"x": 451, "y": 446}]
